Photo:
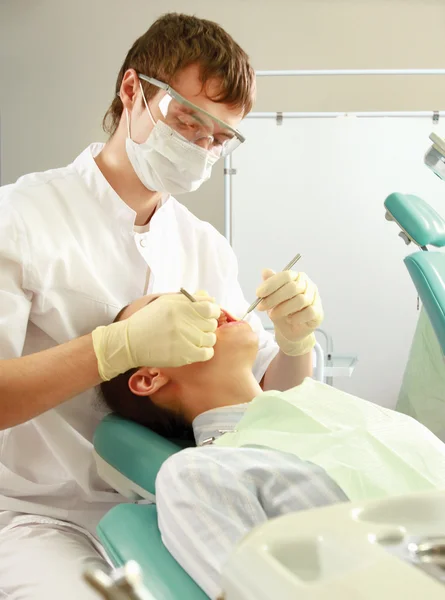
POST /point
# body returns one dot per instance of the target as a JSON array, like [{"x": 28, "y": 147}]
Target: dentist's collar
[{"x": 102, "y": 191}]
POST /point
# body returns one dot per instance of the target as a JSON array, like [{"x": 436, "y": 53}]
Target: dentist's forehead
[{"x": 188, "y": 84}]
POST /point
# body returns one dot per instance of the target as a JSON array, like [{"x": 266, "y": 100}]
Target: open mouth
[{"x": 225, "y": 318}]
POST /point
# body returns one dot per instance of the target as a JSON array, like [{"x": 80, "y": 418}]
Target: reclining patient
[{"x": 263, "y": 454}]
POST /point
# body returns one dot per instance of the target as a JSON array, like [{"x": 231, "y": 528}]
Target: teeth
[{"x": 222, "y": 319}]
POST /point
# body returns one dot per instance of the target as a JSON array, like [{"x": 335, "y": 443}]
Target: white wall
[{"x": 348, "y": 167}]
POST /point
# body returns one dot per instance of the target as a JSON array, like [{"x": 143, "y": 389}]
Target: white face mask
[{"x": 167, "y": 162}]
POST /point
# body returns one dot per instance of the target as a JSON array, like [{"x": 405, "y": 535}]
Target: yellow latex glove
[
  {"x": 171, "y": 331},
  {"x": 294, "y": 306}
]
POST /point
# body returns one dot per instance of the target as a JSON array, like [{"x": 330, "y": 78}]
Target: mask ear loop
[
  {"x": 145, "y": 102},
  {"x": 127, "y": 114}
]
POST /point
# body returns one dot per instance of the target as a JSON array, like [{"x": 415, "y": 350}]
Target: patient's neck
[{"x": 236, "y": 388}]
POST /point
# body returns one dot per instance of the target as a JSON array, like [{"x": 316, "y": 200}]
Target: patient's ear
[{"x": 147, "y": 381}]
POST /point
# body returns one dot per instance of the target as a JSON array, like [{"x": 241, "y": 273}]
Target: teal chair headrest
[
  {"x": 134, "y": 450},
  {"x": 421, "y": 223},
  {"x": 130, "y": 531},
  {"x": 427, "y": 270}
]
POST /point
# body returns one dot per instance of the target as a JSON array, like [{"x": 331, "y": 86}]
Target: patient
[
  {"x": 167, "y": 400},
  {"x": 210, "y": 497}
]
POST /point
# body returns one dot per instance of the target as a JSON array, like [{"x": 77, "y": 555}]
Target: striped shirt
[{"x": 208, "y": 498}]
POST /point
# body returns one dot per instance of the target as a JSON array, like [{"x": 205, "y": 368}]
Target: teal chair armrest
[
  {"x": 427, "y": 270},
  {"x": 421, "y": 223},
  {"x": 130, "y": 532},
  {"x": 133, "y": 450}
]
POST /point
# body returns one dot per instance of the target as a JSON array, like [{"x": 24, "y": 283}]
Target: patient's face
[
  {"x": 235, "y": 350},
  {"x": 236, "y": 347}
]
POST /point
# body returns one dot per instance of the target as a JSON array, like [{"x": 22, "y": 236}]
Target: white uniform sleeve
[
  {"x": 204, "y": 509},
  {"x": 15, "y": 300},
  {"x": 235, "y": 302}
]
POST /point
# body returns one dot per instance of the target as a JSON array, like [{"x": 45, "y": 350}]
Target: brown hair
[
  {"x": 176, "y": 41},
  {"x": 141, "y": 409}
]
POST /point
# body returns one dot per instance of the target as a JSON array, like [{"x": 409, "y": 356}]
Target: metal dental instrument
[
  {"x": 288, "y": 267},
  {"x": 187, "y": 295},
  {"x": 124, "y": 583}
]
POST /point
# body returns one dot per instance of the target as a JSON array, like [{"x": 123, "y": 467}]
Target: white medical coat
[{"x": 70, "y": 259}]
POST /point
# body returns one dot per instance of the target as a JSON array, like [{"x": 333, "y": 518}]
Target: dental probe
[
  {"x": 187, "y": 295},
  {"x": 258, "y": 300}
]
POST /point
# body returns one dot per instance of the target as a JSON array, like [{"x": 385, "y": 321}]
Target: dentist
[{"x": 78, "y": 243}]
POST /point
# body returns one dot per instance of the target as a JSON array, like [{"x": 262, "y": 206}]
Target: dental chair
[
  {"x": 422, "y": 394},
  {"x": 128, "y": 458},
  {"x": 423, "y": 226}
]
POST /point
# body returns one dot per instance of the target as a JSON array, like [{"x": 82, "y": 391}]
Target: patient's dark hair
[{"x": 141, "y": 409}]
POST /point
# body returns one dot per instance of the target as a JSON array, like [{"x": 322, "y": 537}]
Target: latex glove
[
  {"x": 294, "y": 306},
  {"x": 171, "y": 331}
]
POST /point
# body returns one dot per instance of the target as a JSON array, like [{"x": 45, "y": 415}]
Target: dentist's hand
[
  {"x": 294, "y": 306},
  {"x": 170, "y": 331}
]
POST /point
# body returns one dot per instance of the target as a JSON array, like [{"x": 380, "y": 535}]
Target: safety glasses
[{"x": 194, "y": 123}]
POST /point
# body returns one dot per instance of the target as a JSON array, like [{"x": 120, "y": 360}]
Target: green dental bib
[{"x": 370, "y": 451}]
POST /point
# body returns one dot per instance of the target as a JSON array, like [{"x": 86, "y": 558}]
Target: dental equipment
[
  {"x": 382, "y": 549},
  {"x": 435, "y": 156},
  {"x": 187, "y": 295},
  {"x": 258, "y": 300},
  {"x": 124, "y": 583}
]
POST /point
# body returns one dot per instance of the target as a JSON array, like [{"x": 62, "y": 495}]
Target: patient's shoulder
[
  {"x": 185, "y": 459},
  {"x": 194, "y": 463},
  {"x": 181, "y": 467}
]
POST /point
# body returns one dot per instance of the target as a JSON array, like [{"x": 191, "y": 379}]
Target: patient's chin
[{"x": 239, "y": 340}]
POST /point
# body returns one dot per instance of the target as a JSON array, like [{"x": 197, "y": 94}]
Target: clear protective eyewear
[{"x": 195, "y": 124}]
